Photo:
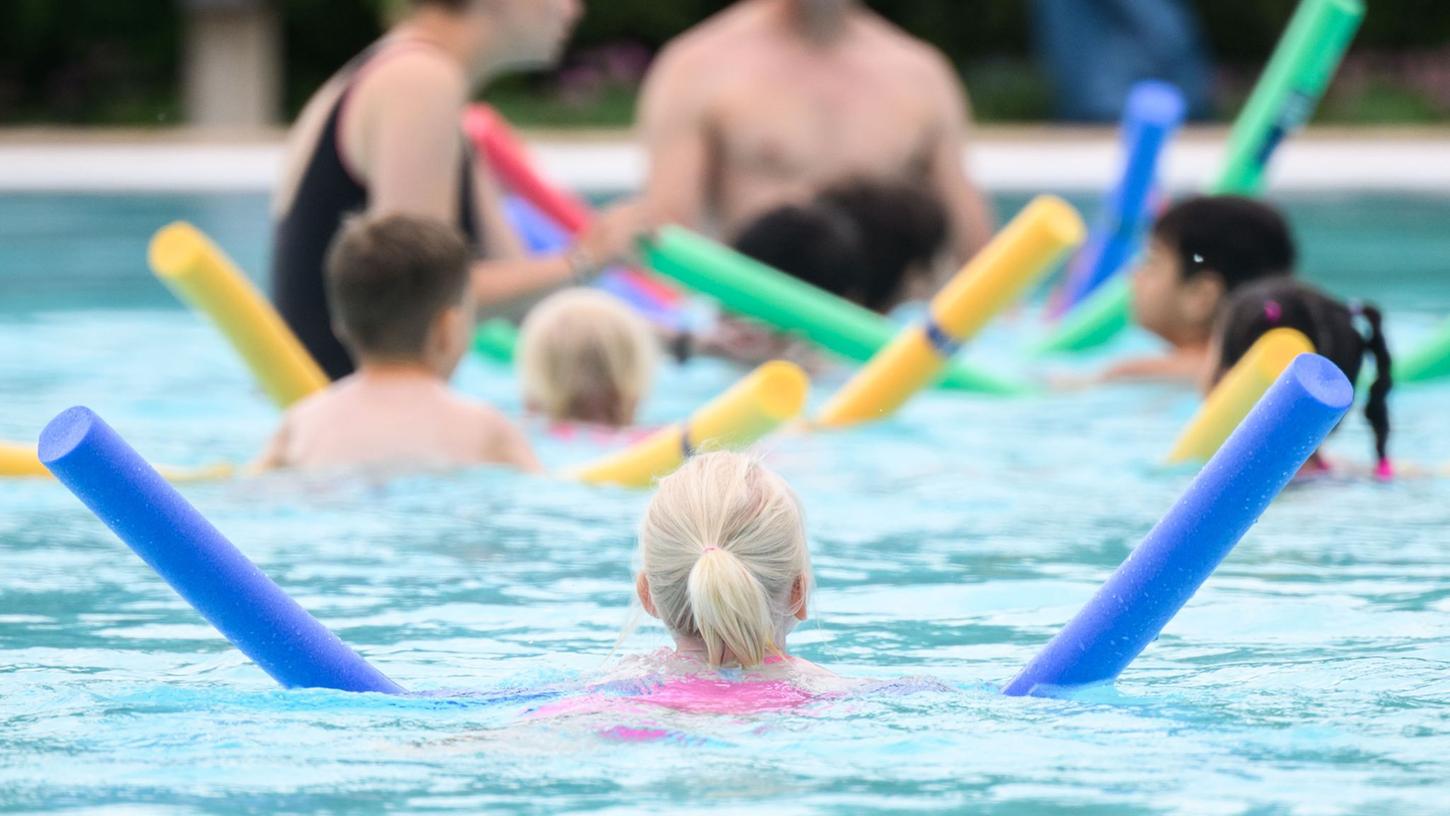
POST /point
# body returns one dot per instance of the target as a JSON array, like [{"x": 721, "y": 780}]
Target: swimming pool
[{"x": 1312, "y": 673}]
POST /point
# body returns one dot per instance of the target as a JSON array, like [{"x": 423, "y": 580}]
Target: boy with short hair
[
  {"x": 1201, "y": 249},
  {"x": 400, "y": 301}
]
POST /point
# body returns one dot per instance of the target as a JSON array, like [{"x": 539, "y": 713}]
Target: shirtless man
[
  {"x": 771, "y": 101},
  {"x": 384, "y": 136}
]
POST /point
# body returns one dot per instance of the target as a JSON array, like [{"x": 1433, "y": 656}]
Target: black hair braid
[{"x": 1376, "y": 409}]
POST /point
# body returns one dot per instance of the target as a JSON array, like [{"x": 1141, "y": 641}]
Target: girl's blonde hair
[
  {"x": 585, "y": 356},
  {"x": 724, "y": 544}
]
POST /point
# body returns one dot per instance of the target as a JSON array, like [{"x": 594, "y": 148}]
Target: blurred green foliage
[{"x": 116, "y": 61}]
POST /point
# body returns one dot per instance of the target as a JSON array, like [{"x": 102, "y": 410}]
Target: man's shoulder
[
  {"x": 717, "y": 35},
  {"x": 905, "y": 51}
]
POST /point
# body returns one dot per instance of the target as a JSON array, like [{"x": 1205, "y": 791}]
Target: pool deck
[{"x": 1022, "y": 159}]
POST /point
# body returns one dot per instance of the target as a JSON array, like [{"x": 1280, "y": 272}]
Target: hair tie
[
  {"x": 710, "y": 548},
  {"x": 1273, "y": 311},
  {"x": 1384, "y": 471}
]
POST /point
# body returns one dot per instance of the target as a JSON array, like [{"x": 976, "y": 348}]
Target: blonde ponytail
[
  {"x": 731, "y": 613},
  {"x": 724, "y": 551}
]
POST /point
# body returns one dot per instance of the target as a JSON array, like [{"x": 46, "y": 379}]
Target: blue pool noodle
[
  {"x": 211, "y": 574},
  {"x": 539, "y": 233},
  {"x": 543, "y": 236},
  {"x": 1154, "y": 111},
  {"x": 1223, "y": 502}
]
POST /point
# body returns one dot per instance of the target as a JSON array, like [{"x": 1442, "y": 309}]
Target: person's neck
[
  {"x": 691, "y": 647},
  {"x": 441, "y": 29},
  {"x": 1190, "y": 341},
  {"x": 375, "y": 371},
  {"x": 817, "y": 23}
]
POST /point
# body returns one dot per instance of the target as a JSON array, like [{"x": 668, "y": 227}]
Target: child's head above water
[
  {"x": 903, "y": 235},
  {"x": 819, "y": 245},
  {"x": 865, "y": 241},
  {"x": 584, "y": 356},
  {"x": 1328, "y": 324},
  {"x": 1201, "y": 250},
  {"x": 725, "y": 562},
  {"x": 397, "y": 288}
]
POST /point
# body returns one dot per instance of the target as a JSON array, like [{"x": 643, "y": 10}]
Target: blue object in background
[
  {"x": 540, "y": 233},
  {"x": 1094, "y": 50},
  {"x": 1154, "y": 112},
  {"x": 211, "y": 574},
  {"x": 1223, "y": 502},
  {"x": 543, "y": 236}
]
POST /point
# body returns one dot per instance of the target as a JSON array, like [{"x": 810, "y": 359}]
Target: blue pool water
[{"x": 1311, "y": 674}]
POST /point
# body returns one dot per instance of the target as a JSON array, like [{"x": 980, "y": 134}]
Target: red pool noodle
[{"x": 500, "y": 146}]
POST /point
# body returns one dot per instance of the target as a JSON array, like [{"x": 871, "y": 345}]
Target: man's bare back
[{"x": 760, "y": 106}]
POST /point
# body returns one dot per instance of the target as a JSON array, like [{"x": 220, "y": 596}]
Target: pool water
[{"x": 1310, "y": 675}]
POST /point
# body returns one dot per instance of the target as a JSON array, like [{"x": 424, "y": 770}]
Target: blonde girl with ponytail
[{"x": 725, "y": 562}]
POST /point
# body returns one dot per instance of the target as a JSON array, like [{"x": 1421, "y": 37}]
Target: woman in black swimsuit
[{"x": 384, "y": 136}]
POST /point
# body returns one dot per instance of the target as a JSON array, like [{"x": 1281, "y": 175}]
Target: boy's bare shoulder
[{"x": 482, "y": 421}]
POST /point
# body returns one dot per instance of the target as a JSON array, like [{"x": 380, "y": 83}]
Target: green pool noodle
[
  {"x": 497, "y": 340},
  {"x": 1285, "y": 97},
  {"x": 747, "y": 287},
  {"x": 1288, "y": 92},
  {"x": 1430, "y": 361},
  {"x": 1094, "y": 322}
]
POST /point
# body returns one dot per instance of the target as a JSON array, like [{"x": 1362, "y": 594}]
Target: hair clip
[{"x": 1273, "y": 311}]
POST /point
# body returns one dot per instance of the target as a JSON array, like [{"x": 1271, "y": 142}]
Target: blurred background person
[
  {"x": 1094, "y": 50},
  {"x": 771, "y": 101},
  {"x": 383, "y": 136}
]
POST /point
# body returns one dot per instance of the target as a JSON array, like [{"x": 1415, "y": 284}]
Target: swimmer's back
[{"x": 418, "y": 423}]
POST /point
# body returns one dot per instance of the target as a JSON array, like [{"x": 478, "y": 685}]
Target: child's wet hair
[
  {"x": 819, "y": 245},
  {"x": 585, "y": 356},
  {"x": 724, "y": 550},
  {"x": 858, "y": 239},
  {"x": 1329, "y": 324},
  {"x": 1241, "y": 239},
  {"x": 388, "y": 279},
  {"x": 902, "y": 228}
]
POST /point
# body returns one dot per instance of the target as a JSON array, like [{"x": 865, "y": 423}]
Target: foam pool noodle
[
  {"x": 1237, "y": 393},
  {"x": 540, "y": 234},
  {"x": 754, "y": 407},
  {"x": 1429, "y": 361},
  {"x": 505, "y": 153},
  {"x": 1154, "y": 112},
  {"x": 1303, "y": 63},
  {"x": 191, "y": 555},
  {"x": 496, "y": 339},
  {"x": 1164, "y": 571},
  {"x": 747, "y": 287},
  {"x": 1024, "y": 251},
  {"x": 19, "y": 461},
  {"x": 203, "y": 277}
]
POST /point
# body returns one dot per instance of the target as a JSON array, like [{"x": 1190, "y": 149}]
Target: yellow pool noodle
[
  {"x": 18, "y": 460},
  {"x": 207, "y": 280},
  {"x": 1237, "y": 393},
  {"x": 22, "y": 461},
  {"x": 771, "y": 395},
  {"x": 1019, "y": 255}
]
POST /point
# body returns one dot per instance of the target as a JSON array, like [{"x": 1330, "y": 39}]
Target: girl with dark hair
[{"x": 1335, "y": 330}]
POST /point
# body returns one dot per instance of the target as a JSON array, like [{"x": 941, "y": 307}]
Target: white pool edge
[{"x": 1025, "y": 160}]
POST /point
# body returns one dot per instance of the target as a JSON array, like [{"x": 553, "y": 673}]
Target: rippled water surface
[{"x": 1310, "y": 675}]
